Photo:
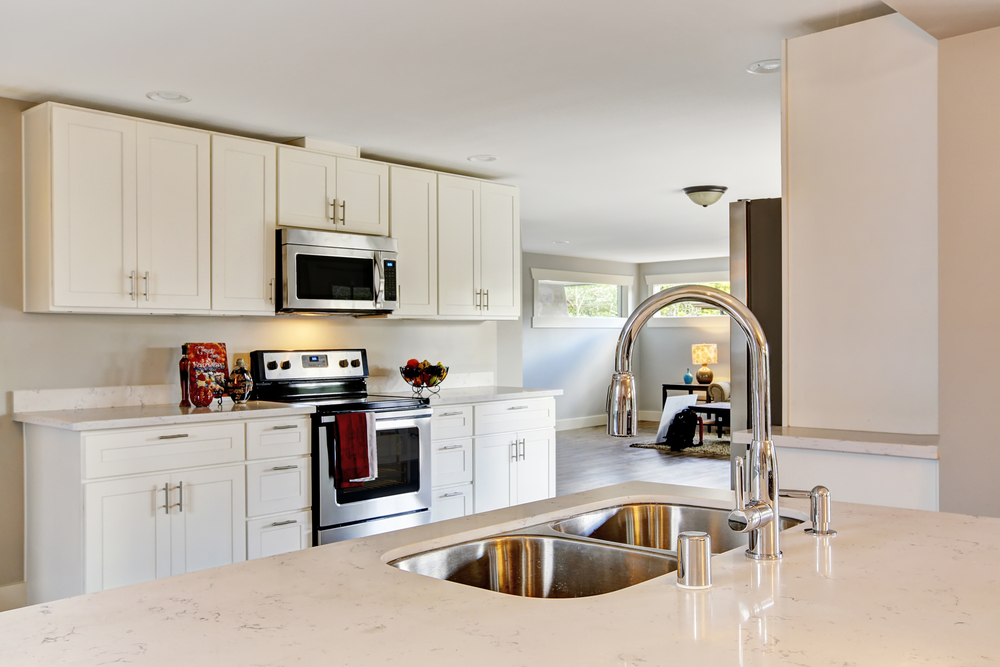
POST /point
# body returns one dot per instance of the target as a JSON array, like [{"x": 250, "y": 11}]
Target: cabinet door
[
  {"x": 534, "y": 466},
  {"x": 207, "y": 520},
  {"x": 451, "y": 502},
  {"x": 494, "y": 457},
  {"x": 459, "y": 291},
  {"x": 307, "y": 189},
  {"x": 243, "y": 211},
  {"x": 363, "y": 196},
  {"x": 126, "y": 531},
  {"x": 173, "y": 218},
  {"x": 501, "y": 250},
  {"x": 413, "y": 223},
  {"x": 93, "y": 210}
]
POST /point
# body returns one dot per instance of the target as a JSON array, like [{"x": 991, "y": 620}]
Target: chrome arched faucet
[{"x": 756, "y": 513}]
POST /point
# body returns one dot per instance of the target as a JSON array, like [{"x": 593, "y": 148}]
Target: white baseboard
[
  {"x": 650, "y": 416},
  {"x": 581, "y": 422},
  {"x": 13, "y": 596}
]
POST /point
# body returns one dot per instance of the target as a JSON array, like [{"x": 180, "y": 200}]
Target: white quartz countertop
[
  {"x": 893, "y": 587},
  {"x": 855, "y": 442},
  {"x": 88, "y": 419},
  {"x": 458, "y": 395}
]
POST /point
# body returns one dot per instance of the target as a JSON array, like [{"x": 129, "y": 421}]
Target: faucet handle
[{"x": 819, "y": 509}]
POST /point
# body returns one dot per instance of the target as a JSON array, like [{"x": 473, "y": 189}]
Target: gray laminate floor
[{"x": 588, "y": 458}]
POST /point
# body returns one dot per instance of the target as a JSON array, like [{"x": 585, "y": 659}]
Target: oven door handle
[{"x": 385, "y": 417}]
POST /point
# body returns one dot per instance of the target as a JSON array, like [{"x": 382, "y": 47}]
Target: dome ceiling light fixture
[
  {"x": 705, "y": 195},
  {"x": 765, "y": 67},
  {"x": 481, "y": 158},
  {"x": 167, "y": 96}
]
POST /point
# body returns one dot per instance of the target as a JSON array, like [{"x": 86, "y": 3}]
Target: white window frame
[
  {"x": 696, "y": 322},
  {"x": 549, "y": 322}
]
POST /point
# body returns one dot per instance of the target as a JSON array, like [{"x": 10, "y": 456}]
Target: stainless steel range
[{"x": 396, "y": 491}]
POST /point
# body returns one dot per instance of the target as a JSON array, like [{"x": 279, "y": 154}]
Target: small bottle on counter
[{"x": 240, "y": 383}]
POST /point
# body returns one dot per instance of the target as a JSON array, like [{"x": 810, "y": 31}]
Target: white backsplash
[{"x": 35, "y": 400}]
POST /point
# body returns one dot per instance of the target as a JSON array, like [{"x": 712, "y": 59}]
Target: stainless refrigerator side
[{"x": 755, "y": 279}]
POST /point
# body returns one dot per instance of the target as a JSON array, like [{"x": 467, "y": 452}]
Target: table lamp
[{"x": 704, "y": 354}]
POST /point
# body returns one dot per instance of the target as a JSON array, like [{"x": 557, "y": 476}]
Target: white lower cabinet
[
  {"x": 120, "y": 506},
  {"x": 491, "y": 455}
]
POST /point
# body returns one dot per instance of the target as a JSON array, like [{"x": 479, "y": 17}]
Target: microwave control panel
[{"x": 390, "y": 280}]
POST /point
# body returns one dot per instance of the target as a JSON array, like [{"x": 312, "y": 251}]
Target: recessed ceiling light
[
  {"x": 167, "y": 96},
  {"x": 765, "y": 67},
  {"x": 481, "y": 158}
]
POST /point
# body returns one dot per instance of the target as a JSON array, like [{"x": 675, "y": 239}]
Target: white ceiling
[{"x": 601, "y": 112}]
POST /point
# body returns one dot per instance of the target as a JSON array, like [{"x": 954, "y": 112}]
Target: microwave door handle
[{"x": 377, "y": 276}]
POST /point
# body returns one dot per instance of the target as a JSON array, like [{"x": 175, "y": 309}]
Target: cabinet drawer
[
  {"x": 279, "y": 534},
  {"x": 278, "y": 486},
  {"x": 452, "y": 462},
  {"x": 268, "y": 438},
  {"x": 453, "y": 421},
  {"x": 510, "y": 416},
  {"x": 451, "y": 502},
  {"x": 130, "y": 451}
]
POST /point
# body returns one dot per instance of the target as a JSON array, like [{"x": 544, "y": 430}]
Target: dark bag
[{"x": 680, "y": 433}]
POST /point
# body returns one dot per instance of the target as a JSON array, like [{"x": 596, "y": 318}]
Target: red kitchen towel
[{"x": 356, "y": 462}]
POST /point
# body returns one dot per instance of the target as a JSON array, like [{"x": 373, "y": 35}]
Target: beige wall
[
  {"x": 969, "y": 271},
  {"x": 56, "y": 351},
  {"x": 861, "y": 344}
]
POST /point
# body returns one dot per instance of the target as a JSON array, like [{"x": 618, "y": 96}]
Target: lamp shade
[{"x": 705, "y": 353}]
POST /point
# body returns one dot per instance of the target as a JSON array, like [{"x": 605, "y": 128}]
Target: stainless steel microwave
[{"x": 335, "y": 273}]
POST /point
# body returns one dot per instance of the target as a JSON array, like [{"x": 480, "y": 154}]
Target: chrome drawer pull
[
  {"x": 173, "y": 437},
  {"x": 283, "y": 427},
  {"x": 450, "y": 414},
  {"x": 284, "y": 468},
  {"x": 518, "y": 407},
  {"x": 284, "y": 523},
  {"x": 441, "y": 449},
  {"x": 452, "y": 494}
]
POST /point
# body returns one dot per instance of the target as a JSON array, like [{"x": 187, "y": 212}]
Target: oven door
[{"x": 403, "y": 483}]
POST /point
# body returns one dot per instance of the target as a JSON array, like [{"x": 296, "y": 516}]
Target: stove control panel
[{"x": 290, "y": 365}]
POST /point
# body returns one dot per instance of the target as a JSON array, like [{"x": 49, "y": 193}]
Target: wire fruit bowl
[{"x": 423, "y": 375}]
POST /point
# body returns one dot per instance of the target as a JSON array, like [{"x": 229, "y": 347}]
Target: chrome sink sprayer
[{"x": 756, "y": 512}]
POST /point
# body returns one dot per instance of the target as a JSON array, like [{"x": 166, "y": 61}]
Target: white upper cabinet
[
  {"x": 116, "y": 213},
  {"x": 323, "y": 191},
  {"x": 479, "y": 249},
  {"x": 174, "y": 218},
  {"x": 243, "y": 226},
  {"x": 414, "y": 220}
]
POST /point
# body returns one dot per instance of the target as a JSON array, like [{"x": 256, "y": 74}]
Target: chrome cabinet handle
[
  {"x": 441, "y": 449},
  {"x": 450, "y": 414},
  {"x": 180, "y": 502},
  {"x": 452, "y": 494},
  {"x": 486, "y": 299},
  {"x": 284, "y": 523},
  {"x": 145, "y": 285},
  {"x": 343, "y": 211},
  {"x": 284, "y": 468},
  {"x": 166, "y": 499},
  {"x": 131, "y": 285},
  {"x": 479, "y": 298},
  {"x": 283, "y": 427},
  {"x": 333, "y": 211},
  {"x": 518, "y": 407},
  {"x": 271, "y": 287},
  {"x": 513, "y": 446},
  {"x": 522, "y": 449},
  {"x": 172, "y": 437}
]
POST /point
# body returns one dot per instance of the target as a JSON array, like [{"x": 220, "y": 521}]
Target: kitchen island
[{"x": 895, "y": 586}]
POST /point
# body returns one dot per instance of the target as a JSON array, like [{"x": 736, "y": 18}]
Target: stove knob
[
  {"x": 355, "y": 362},
  {"x": 343, "y": 363},
  {"x": 272, "y": 365},
  {"x": 285, "y": 365}
]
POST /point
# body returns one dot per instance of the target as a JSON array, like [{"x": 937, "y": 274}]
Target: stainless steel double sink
[{"x": 586, "y": 554}]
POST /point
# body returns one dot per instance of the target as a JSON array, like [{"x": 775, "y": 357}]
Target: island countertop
[
  {"x": 459, "y": 395},
  {"x": 893, "y": 587}
]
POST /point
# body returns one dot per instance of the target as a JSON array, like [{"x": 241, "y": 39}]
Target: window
[
  {"x": 689, "y": 313},
  {"x": 577, "y": 299}
]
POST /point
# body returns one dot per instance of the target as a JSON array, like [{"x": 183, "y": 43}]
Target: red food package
[{"x": 208, "y": 368}]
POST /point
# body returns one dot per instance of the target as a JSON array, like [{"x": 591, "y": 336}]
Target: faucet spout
[{"x": 762, "y": 466}]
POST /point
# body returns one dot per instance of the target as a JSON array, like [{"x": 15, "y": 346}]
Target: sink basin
[
  {"x": 539, "y": 567},
  {"x": 656, "y": 525}
]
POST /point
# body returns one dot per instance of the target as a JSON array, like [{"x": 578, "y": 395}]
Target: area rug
[{"x": 714, "y": 448}]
